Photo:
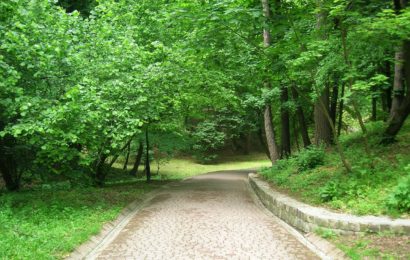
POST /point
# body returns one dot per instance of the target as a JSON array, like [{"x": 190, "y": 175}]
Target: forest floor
[
  {"x": 368, "y": 190},
  {"x": 50, "y": 220}
]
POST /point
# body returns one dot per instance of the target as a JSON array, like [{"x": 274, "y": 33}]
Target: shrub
[
  {"x": 208, "y": 139},
  {"x": 310, "y": 158},
  {"x": 329, "y": 191},
  {"x": 399, "y": 199}
]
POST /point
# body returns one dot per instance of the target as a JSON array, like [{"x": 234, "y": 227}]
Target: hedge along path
[
  {"x": 308, "y": 218},
  {"x": 211, "y": 216}
]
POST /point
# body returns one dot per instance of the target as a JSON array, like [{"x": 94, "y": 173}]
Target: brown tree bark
[
  {"x": 401, "y": 105},
  {"x": 285, "y": 125},
  {"x": 401, "y": 101},
  {"x": 333, "y": 101},
  {"x": 100, "y": 171},
  {"x": 323, "y": 132},
  {"x": 138, "y": 159},
  {"x": 127, "y": 157},
  {"x": 147, "y": 161},
  {"x": 268, "y": 122},
  {"x": 301, "y": 119},
  {"x": 341, "y": 104}
]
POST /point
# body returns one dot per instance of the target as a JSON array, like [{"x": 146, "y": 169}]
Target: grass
[
  {"x": 370, "y": 246},
  {"x": 51, "y": 222},
  {"x": 180, "y": 168},
  {"x": 365, "y": 191},
  {"x": 48, "y": 224}
]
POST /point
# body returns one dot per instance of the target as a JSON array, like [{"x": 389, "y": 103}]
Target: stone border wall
[{"x": 308, "y": 218}]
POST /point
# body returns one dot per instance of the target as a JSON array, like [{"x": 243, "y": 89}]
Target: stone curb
[
  {"x": 308, "y": 218},
  {"x": 320, "y": 246}
]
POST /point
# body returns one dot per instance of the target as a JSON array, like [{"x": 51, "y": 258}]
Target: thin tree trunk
[
  {"x": 127, "y": 157},
  {"x": 270, "y": 135},
  {"x": 354, "y": 102},
  {"x": 323, "y": 133},
  {"x": 285, "y": 129},
  {"x": 386, "y": 94},
  {"x": 268, "y": 122},
  {"x": 100, "y": 172},
  {"x": 138, "y": 159},
  {"x": 374, "y": 106},
  {"x": 295, "y": 133},
  {"x": 262, "y": 139},
  {"x": 341, "y": 103},
  {"x": 147, "y": 162},
  {"x": 301, "y": 118},
  {"x": 333, "y": 101}
]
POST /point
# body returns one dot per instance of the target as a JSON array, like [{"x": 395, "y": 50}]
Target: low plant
[
  {"x": 310, "y": 158},
  {"x": 399, "y": 199}
]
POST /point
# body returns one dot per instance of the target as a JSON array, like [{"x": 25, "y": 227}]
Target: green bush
[
  {"x": 399, "y": 199},
  {"x": 208, "y": 139},
  {"x": 329, "y": 191},
  {"x": 310, "y": 158}
]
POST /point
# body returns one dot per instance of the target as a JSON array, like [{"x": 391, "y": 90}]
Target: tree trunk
[
  {"x": 401, "y": 104},
  {"x": 147, "y": 162},
  {"x": 285, "y": 129},
  {"x": 127, "y": 157},
  {"x": 333, "y": 101},
  {"x": 295, "y": 133},
  {"x": 262, "y": 139},
  {"x": 100, "y": 172},
  {"x": 341, "y": 103},
  {"x": 268, "y": 122},
  {"x": 374, "y": 106},
  {"x": 301, "y": 118},
  {"x": 8, "y": 169},
  {"x": 138, "y": 159},
  {"x": 400, "y": 112},
  {"x": 8, "y": 165},
  {"x": 386, "y": 94},
  {"x": 323, "y": 132},
  {"x": 398, "y": 87},
  {"x": 270, "y": 135}
]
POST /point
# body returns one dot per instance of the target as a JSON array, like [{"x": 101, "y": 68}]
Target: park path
[{"x": 211, "y": 216}]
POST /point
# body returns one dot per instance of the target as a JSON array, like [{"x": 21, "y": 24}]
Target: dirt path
[{"x": 211, "y": 216}]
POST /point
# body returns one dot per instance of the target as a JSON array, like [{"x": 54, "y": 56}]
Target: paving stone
[{"x": 211, "y": 216}]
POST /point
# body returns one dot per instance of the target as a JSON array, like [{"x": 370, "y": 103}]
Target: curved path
[{"x": 211, "y": 216}]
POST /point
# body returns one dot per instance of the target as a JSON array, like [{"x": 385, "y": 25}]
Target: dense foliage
[{"x": 84, "y": 82}]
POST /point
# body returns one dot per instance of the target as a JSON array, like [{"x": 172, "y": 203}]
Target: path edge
[
  {"x": 90, "y": 248},
  {"x": 320, "y": 246}
]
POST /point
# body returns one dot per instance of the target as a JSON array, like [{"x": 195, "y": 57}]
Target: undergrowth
[{"x": 316, "y": 175}]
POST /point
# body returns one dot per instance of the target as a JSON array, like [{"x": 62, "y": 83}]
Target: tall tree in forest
[
  {"x": 323, "y": 131},
  {"x": 400, "y": 108},
  {"x": 268, "y": 122}
]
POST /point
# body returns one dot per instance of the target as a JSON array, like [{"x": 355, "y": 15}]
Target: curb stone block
[{"x": 308, "y": 218}]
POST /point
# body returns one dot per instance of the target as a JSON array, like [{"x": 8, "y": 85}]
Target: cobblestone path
[{"x": 211, "y": 216}]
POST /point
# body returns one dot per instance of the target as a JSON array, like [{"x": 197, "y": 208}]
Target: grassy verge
[
  {"x": 370, "y": 246},
  {"x": 50, "y": 223},
  {"x": 316, "y": 176}
]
